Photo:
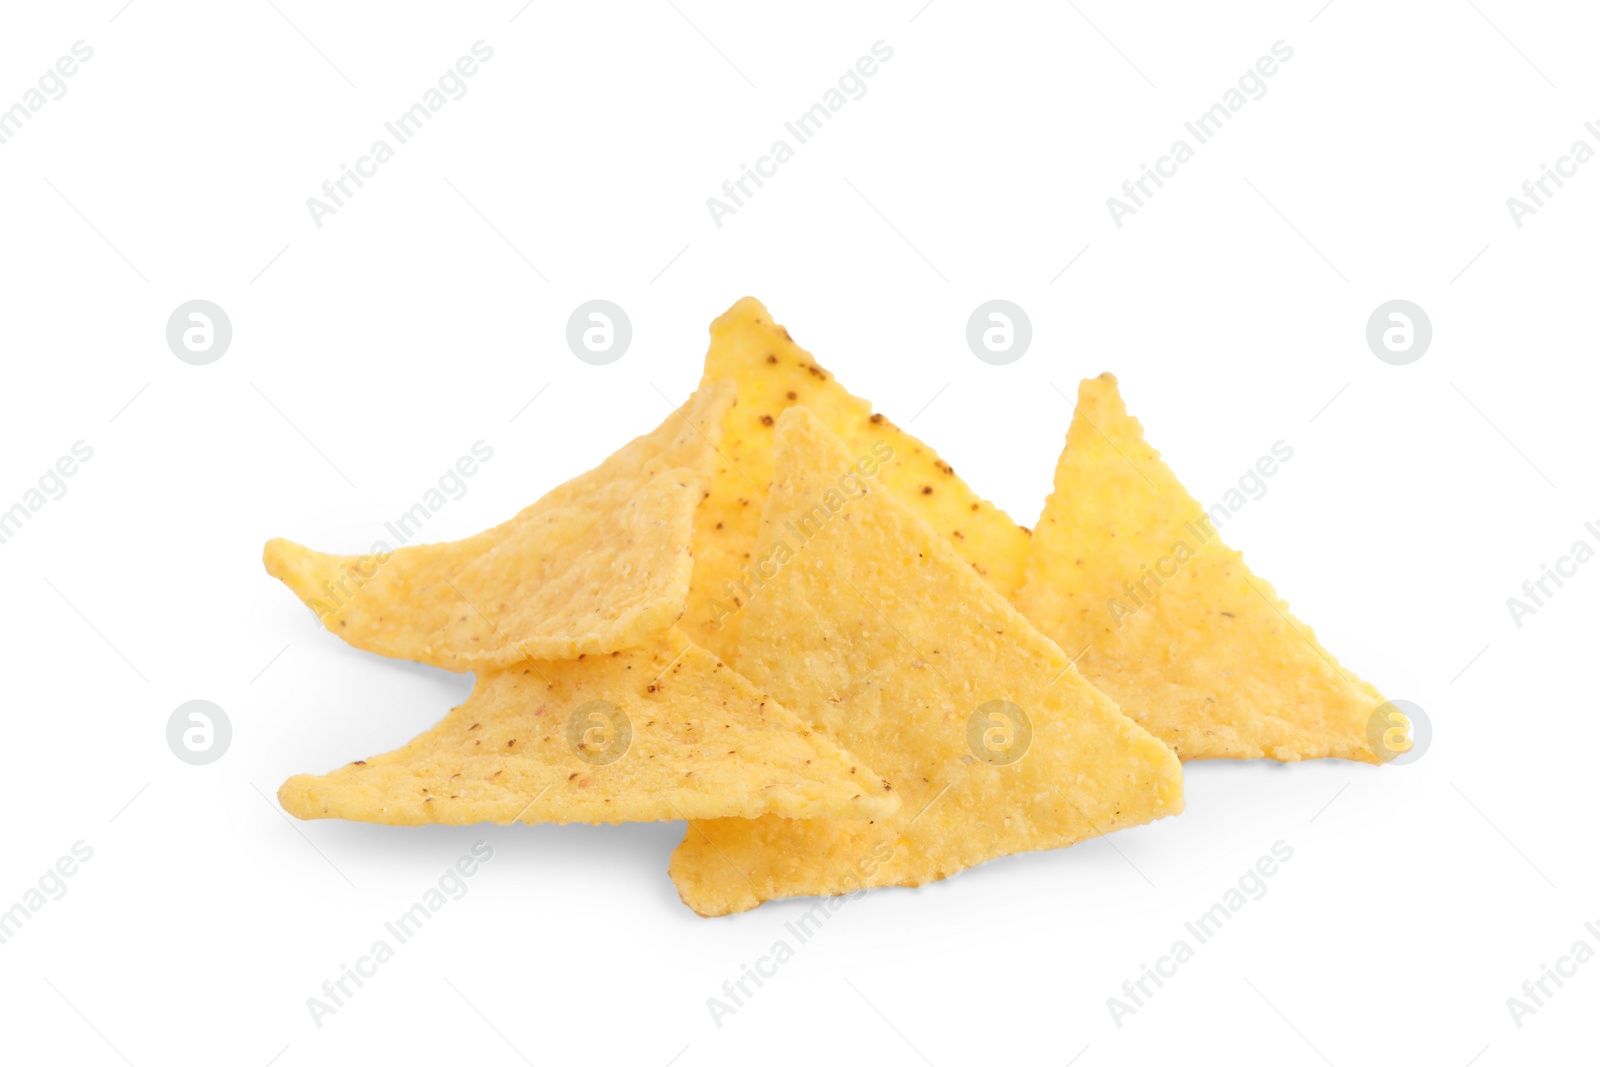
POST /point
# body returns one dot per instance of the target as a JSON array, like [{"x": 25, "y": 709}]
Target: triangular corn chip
[
  {"x": 879, "y": 633},
  {"x": 598, "y": 564},
  {"x": 775, "y": 374},
  {"x": 664, "y": 731},
  {"x": 1127, "y": 568}
]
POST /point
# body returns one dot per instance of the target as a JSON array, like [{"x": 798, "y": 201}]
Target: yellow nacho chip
[
  {"x": 599, "y": 563},
  {"x": 874, "y": 629},
  {"x": 1128, "y": 567},
  {"x": 664, "y": 731},
  {"x": 775, "y": 374}
]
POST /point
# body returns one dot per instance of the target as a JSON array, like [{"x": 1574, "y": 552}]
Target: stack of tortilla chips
[{"x": 781, "y": 618}]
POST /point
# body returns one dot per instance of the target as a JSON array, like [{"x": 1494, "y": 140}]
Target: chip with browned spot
[
  {"x": 870, "y": 626},
  {"x": 598, "y": 564},
  {"x": 775, "y": 374},
  {"x": 659, "y": 732}
]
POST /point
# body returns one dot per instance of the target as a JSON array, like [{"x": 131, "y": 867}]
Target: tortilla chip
[
  {"x": 598, "y": 564},
  {"x": 664, "y": 731},
  {"x": 875, "y": 630},
  {"x": 774, "y": 374},
  {"x": 1208, "y": 659}
]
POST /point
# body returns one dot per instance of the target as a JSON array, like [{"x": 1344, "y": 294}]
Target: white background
[{"x": 370, "y": 353}]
